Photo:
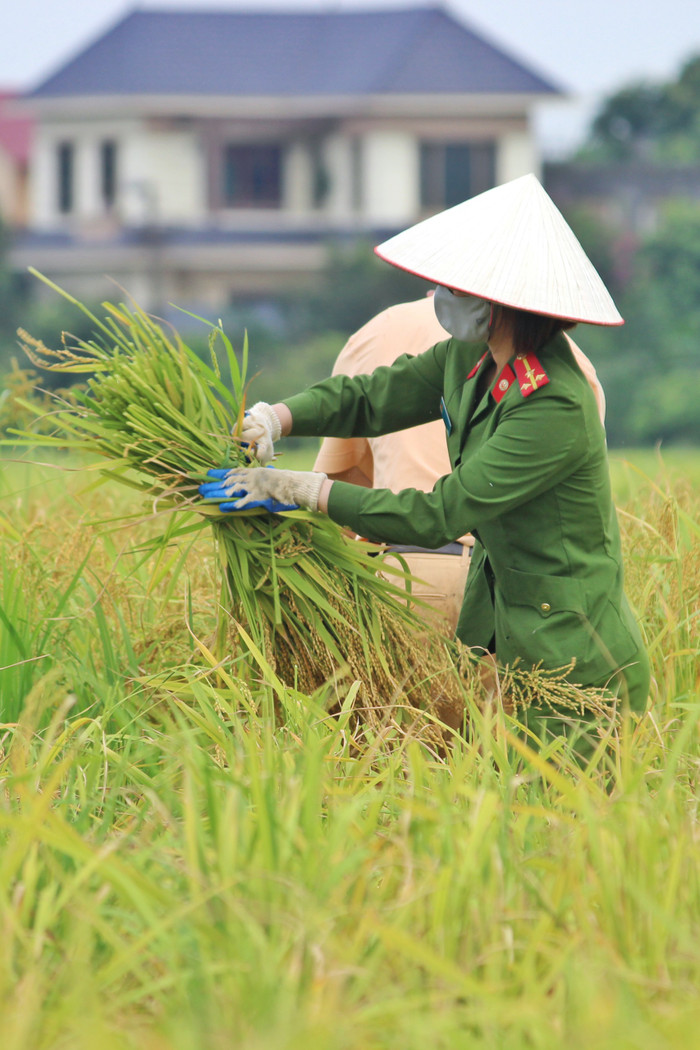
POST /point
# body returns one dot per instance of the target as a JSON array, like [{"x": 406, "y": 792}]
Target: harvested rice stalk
[{"x": 310, "y": 598}]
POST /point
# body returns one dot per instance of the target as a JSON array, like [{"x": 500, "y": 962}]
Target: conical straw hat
[{"x": 510, "y": 245}]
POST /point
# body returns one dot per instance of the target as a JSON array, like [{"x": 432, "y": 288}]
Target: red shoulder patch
[
  {"x": 477, "y": 366},
  {"x": 503, "y": 383},
  {"x": 531, "y": 375}
]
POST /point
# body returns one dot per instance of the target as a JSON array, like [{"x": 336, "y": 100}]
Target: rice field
[{"x": 196, "y": 856}]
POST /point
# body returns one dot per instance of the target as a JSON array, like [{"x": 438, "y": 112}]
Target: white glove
[
  {"x": 261, "y": 428},
  {"x": 291, "y": 487}
]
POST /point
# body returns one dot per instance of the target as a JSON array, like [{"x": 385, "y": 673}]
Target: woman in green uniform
[{"x": 529, "y": 472}]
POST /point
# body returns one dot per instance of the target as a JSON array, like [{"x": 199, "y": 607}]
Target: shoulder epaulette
[{"x": 530, "y": 374}]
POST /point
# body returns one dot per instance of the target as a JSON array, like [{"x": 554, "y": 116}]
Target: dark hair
[{"x": 529, "y": 331}]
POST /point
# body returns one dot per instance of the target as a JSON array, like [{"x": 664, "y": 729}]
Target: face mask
[{"x": 463, "y": 316}]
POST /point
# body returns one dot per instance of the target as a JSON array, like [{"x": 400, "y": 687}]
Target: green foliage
[
  {"x": 649, "y": 367},
  {"x": 650, "y": 120},
  {"x": 670, "y": 261},
  {"x": 24, "y": 401},
  {"x": 287, "y": 367},
  {"x": 49, "y": 320},
  {"x": 630, "y": 117},
  {"x": 599, "y": 242},
  {"x": 665, "y": 301}
]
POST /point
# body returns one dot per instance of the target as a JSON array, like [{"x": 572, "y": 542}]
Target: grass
[
  {"x": 182, "y": 869},
  {"x": 632, "y": 470}
]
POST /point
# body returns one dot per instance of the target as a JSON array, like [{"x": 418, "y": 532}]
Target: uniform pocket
[
  {"x": 548, "y": 594},
  {"x": 546, "y": 620}
]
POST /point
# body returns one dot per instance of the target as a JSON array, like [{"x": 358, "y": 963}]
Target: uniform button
[{"x": 545, "y": 607}]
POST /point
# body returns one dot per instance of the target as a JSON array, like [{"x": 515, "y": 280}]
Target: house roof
[{"x": 420, "y": 50}]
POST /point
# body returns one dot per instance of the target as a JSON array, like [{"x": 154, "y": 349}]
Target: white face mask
[{"x": 463, "y": 316}]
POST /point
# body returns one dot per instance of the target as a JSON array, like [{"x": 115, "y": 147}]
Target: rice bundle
[{"x": 309, "y": 597}]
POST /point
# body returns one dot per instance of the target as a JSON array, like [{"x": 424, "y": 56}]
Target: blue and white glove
[
  {"x": 273, "y": 490},
  {"x": 261, "y": 428}
]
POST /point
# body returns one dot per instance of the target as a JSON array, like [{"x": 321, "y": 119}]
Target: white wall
[
  {"x": 390, "y": 177},
  {"x": 297, "y": 179},
  {"x": 162, "y": 177},
  {"x": 516, "y": 155},
  {"x": 42, "y": 179},
  {"x": 338, "y": 159}
]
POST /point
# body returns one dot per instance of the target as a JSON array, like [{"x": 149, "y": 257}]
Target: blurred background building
[{"x": 192, "y": 156}]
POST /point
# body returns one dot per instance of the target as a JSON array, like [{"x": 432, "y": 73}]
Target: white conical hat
[{"x": 510, "y": 245}]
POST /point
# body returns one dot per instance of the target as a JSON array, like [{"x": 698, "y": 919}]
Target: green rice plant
[
  {"x": 72, "y": 598},
  {"x": 204, "y": 877},
  {"x": 309, "y": 598},
  {"x": 661, "y": 538},
  {"x": 180, "y": 870},
  {"x": 32, "y": 620}
]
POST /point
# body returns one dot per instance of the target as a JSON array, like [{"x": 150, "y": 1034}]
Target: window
[
  {"x": 65, "y": 157},
  {"x": 252, "y": 176},
  {"x": 108, "y": 173},
  {"x": 453, "y": 171}
]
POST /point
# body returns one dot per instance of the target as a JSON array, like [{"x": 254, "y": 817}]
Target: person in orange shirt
[{"x": 413, "y": 458}]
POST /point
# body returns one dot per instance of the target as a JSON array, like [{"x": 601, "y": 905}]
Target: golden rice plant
[{"x": 294, "y": 586}]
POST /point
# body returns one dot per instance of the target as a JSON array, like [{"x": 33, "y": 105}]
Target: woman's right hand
[{"x": 261, "y": 428}]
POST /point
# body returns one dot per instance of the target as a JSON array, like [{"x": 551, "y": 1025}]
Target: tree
[
  {"x": 649, "y": 367},
  {"x": 630, "y": 120},
  {"x": 650, "y": 120}
]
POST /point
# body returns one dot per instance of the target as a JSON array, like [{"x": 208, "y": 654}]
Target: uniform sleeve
[
  {"x": 538, "y": 442},
  {"x": 393, "y": 397}
]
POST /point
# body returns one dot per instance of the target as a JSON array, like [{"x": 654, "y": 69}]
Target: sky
[{"x": 589, "y": 48}]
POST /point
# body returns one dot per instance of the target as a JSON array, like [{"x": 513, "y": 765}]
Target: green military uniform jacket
[{"x": 530, "y": 481}]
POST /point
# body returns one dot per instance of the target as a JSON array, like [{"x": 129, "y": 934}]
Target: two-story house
[{"x": 194, "y": 155}]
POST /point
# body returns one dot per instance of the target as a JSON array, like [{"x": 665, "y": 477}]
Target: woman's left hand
[{"x": 271, "y": 489}]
